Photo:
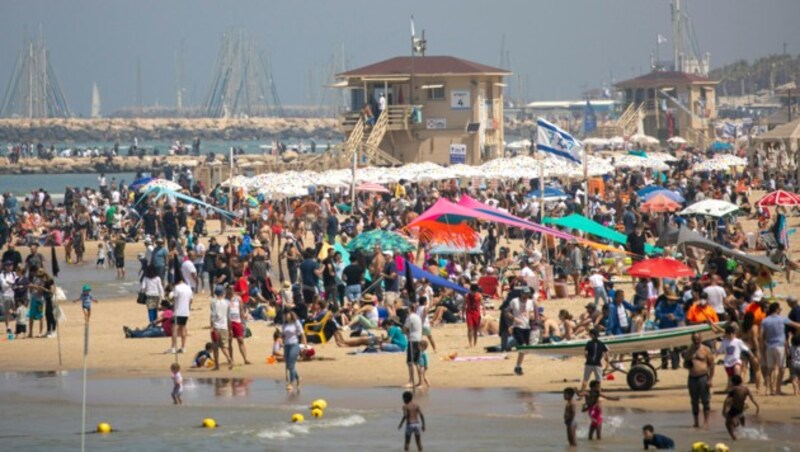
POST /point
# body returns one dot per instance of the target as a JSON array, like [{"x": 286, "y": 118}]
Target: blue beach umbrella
[
  {"x": 721, "y": 146},
  {"x": 649, "y": 189},
  {"x": 550, "y": 193}
]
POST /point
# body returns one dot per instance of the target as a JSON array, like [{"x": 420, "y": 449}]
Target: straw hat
[{"x": 368, "y": 298}]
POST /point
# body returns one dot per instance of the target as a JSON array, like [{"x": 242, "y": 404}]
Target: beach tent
[
  {"x": 505, "y": 217},
  {"x": 711, "y": 208},
  {"x": 685, "y": 236},
  {"x": 581, "y": 223},
  {"x": 450, "y": 249},
  {"x": 418, "y": 273},
  {"x": 660, "y": 267}
]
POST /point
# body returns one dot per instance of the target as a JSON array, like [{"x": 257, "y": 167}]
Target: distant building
[
  {"x": 439, "y": 109},
  {"x": 673, "y": 104}
]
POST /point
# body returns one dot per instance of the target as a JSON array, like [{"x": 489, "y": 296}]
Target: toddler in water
[
  {"x": 423, "y": 363},
  {"x": 593, "y": 408},
  {"x": 177, "y": 380},
  {"x": 411, "y": 417},
  {"x": 569, "y": 415},
  {"x": 101, "y": 256},
  {"x": 86, "y": 300}
]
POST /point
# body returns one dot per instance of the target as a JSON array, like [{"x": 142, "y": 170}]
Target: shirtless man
[
  {"x": 734, "y": 405},
  {"x": 700, "y": 363},
  {"x": 412, "y": 416}
]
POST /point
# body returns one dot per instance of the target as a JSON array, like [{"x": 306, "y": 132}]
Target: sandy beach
[{"x": 113, "y": 356}]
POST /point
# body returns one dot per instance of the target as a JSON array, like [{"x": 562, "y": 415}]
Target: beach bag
[
  {"x": 141, "y": 298},
  {"x": 59, "y": 295}
]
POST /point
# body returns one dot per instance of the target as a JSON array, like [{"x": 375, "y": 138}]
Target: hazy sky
[{"x": 562, "y": 45}]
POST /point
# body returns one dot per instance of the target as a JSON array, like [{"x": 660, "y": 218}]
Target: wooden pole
[{"x": 83, "y": 406}]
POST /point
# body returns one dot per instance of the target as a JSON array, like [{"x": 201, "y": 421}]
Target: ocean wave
[
  {"x": 753, "y": 433},
  {"x": 290, "y": 431}
]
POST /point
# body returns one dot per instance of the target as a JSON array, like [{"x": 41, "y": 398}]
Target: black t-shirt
[
  {"x": 659, "y": 442},
  {"x": 594, "y": 352},
  {"x": 149, "y": 220},
  {"x": 308, "y": 272},
  {"x": 226, "y": 272},
  {"x": 328, "y": 273},
  {"x": 636, "y": 244},
  {"x": 389, "y": 284},
  {"x": 352, "y": 274}
]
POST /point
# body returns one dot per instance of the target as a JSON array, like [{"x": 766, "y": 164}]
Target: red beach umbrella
[
  {"x": 660, "y": 203},
  {"x": 660, "y": 267},
  {"x": 779, "y": 198},
  {"x": 372, "y": 187}
]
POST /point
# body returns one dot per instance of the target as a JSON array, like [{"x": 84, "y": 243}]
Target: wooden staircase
[
  {"x": 364, "y": 141},
  {"x": 626, "y": 125}
]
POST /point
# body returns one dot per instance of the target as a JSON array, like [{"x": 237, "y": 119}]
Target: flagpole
[{"x": 586, "y": 181}]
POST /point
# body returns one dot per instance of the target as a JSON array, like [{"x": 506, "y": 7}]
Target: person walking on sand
[
  {"x": 523, "y": 310},
  {"x": 182, "y": 294},
  {"x": 595, "y": 353},
  {"x": 773, "y": 338},
  {"x": 236, "y": 313},
  {"x": 700, "y": 363},
  {"x": 86, "y": 300},
  {"x": 413, "y": 329},
  {"x": 414, "y": 420},
  {"x": 292, "y": 336},
  {"x": 473, "y": 306},
  {"x": 220, "y": 335}
]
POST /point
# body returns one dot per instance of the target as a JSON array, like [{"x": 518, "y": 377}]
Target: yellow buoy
[
  {"x": 298, "y": 418},
  {"x": 319, "y": 404},
  {"x": 316, "y": 412},
  {"x": 103, "y": 427},
  {"x": 209, "y": 423}
]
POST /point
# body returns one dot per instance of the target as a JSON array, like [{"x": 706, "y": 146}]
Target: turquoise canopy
[{"x": 588, "y": 226}]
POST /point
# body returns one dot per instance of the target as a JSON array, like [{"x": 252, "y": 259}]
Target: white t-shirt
[
  {"x": 522, "y": 313},
  {"x": 183, "y": 298},
  {"x": 219, "y": 313},
  {"x": 115, "y": 196},
  {"x": 235, "y": 309},
  {"x": 187, "y": 270},
  {"x": 7, "y": 282},
  {"x": 716, "y": 298},
  {"x": 622, "y": 316},
  {"x": 529, "y": 276},
  {"x": 596, "y": 280},
  {"x": 414, "y": 326},
  {"x": 200, "y": 252},
  {"x": 733, "y": 351}
]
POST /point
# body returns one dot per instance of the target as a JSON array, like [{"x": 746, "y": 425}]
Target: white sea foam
[
  {"x": 610, "y": 425},
  {"x": 290, "y": 431},
  {"x": 753, "y": 433}
]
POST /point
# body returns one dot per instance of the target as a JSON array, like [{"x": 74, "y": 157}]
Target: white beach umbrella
[
  {"x": 596, "y": 141},
  {"x": 710, "y": 207},
  {"x": 676, "y": 140}
]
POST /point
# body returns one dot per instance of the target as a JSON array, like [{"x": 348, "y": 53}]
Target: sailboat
[{"x": 95, "y": 101}]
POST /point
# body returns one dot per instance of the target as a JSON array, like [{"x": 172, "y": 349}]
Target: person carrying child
[{"x": 412, "y": 415}]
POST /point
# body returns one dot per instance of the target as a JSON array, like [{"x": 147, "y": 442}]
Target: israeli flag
[{"x": 550, "y": 138}]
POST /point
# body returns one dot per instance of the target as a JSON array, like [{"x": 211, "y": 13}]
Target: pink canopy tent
[
  {"x": 372, "y": 187},
  {"x": 474, "y": 204},
  {"x": 443, "y": 207}
]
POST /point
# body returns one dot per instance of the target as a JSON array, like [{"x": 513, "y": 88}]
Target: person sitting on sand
[
  {"x": 734, "y": 405},
  {"x": 203, "y": 356},
  {"x": 367, "y": 315},
  {"x": 160, "y": 327},
  {"x": 394, "y": 341}
]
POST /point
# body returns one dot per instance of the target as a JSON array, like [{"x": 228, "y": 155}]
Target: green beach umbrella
[{"x": 387, "y": 240}]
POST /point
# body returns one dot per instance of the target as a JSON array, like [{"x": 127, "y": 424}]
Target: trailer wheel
[{"x": 641, "y": 377}]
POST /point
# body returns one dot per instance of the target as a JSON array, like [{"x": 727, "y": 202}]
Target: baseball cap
[{"x": 219, "y": 289}]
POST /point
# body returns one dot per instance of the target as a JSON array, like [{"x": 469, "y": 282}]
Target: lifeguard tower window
[
  {"x": 436, "y": 93},
  {"x": 473, "y": 127}
]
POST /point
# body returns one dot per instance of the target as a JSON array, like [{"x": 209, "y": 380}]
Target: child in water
[
  {"x": 86, "y": 300},
  {"x": 734, "y": 405},
  {"x": 423, "y": 363},
  {"x": 177, "y": 380},
  {"x": 101, "y": 256},
  {"x": 412, "y": 416},
  {"x": 569, "y": 415},
  {"x": 593, "y": 408}
]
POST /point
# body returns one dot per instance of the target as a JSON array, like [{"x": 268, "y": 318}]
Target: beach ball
[
  {"x": 316, "y": 412},
  {"x": 700, "y": 446},
  {"x": 103, "y": 427},
  {"x": 721, "y": 447},
  {"x": 209, "y": 423},
  {"x": 319, "y": 404},
  {"x": 298, "y": 418},
  {"x": 209, "y": 363}
]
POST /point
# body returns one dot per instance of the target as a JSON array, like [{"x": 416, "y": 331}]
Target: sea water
[{"x": 43, "y": 411}]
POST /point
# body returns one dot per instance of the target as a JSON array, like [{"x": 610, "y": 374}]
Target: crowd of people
[{"x": 275, "y": 260}]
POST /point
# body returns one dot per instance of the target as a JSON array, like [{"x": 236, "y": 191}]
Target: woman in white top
[
  {"x": 153, "y": 291},
  {"x": 422, "y": 312},
  {"x": 292, "y": 336}
]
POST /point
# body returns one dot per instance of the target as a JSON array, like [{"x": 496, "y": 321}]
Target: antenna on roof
[{"x": 418, "y": 45}]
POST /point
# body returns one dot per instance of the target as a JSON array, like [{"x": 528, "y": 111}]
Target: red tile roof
[
  {"x": 657, "y": 78},
  {"x": 427, "y": 65}
]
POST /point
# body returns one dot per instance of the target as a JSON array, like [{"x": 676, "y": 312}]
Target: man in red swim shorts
[{"x": 473, "y": 306}]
